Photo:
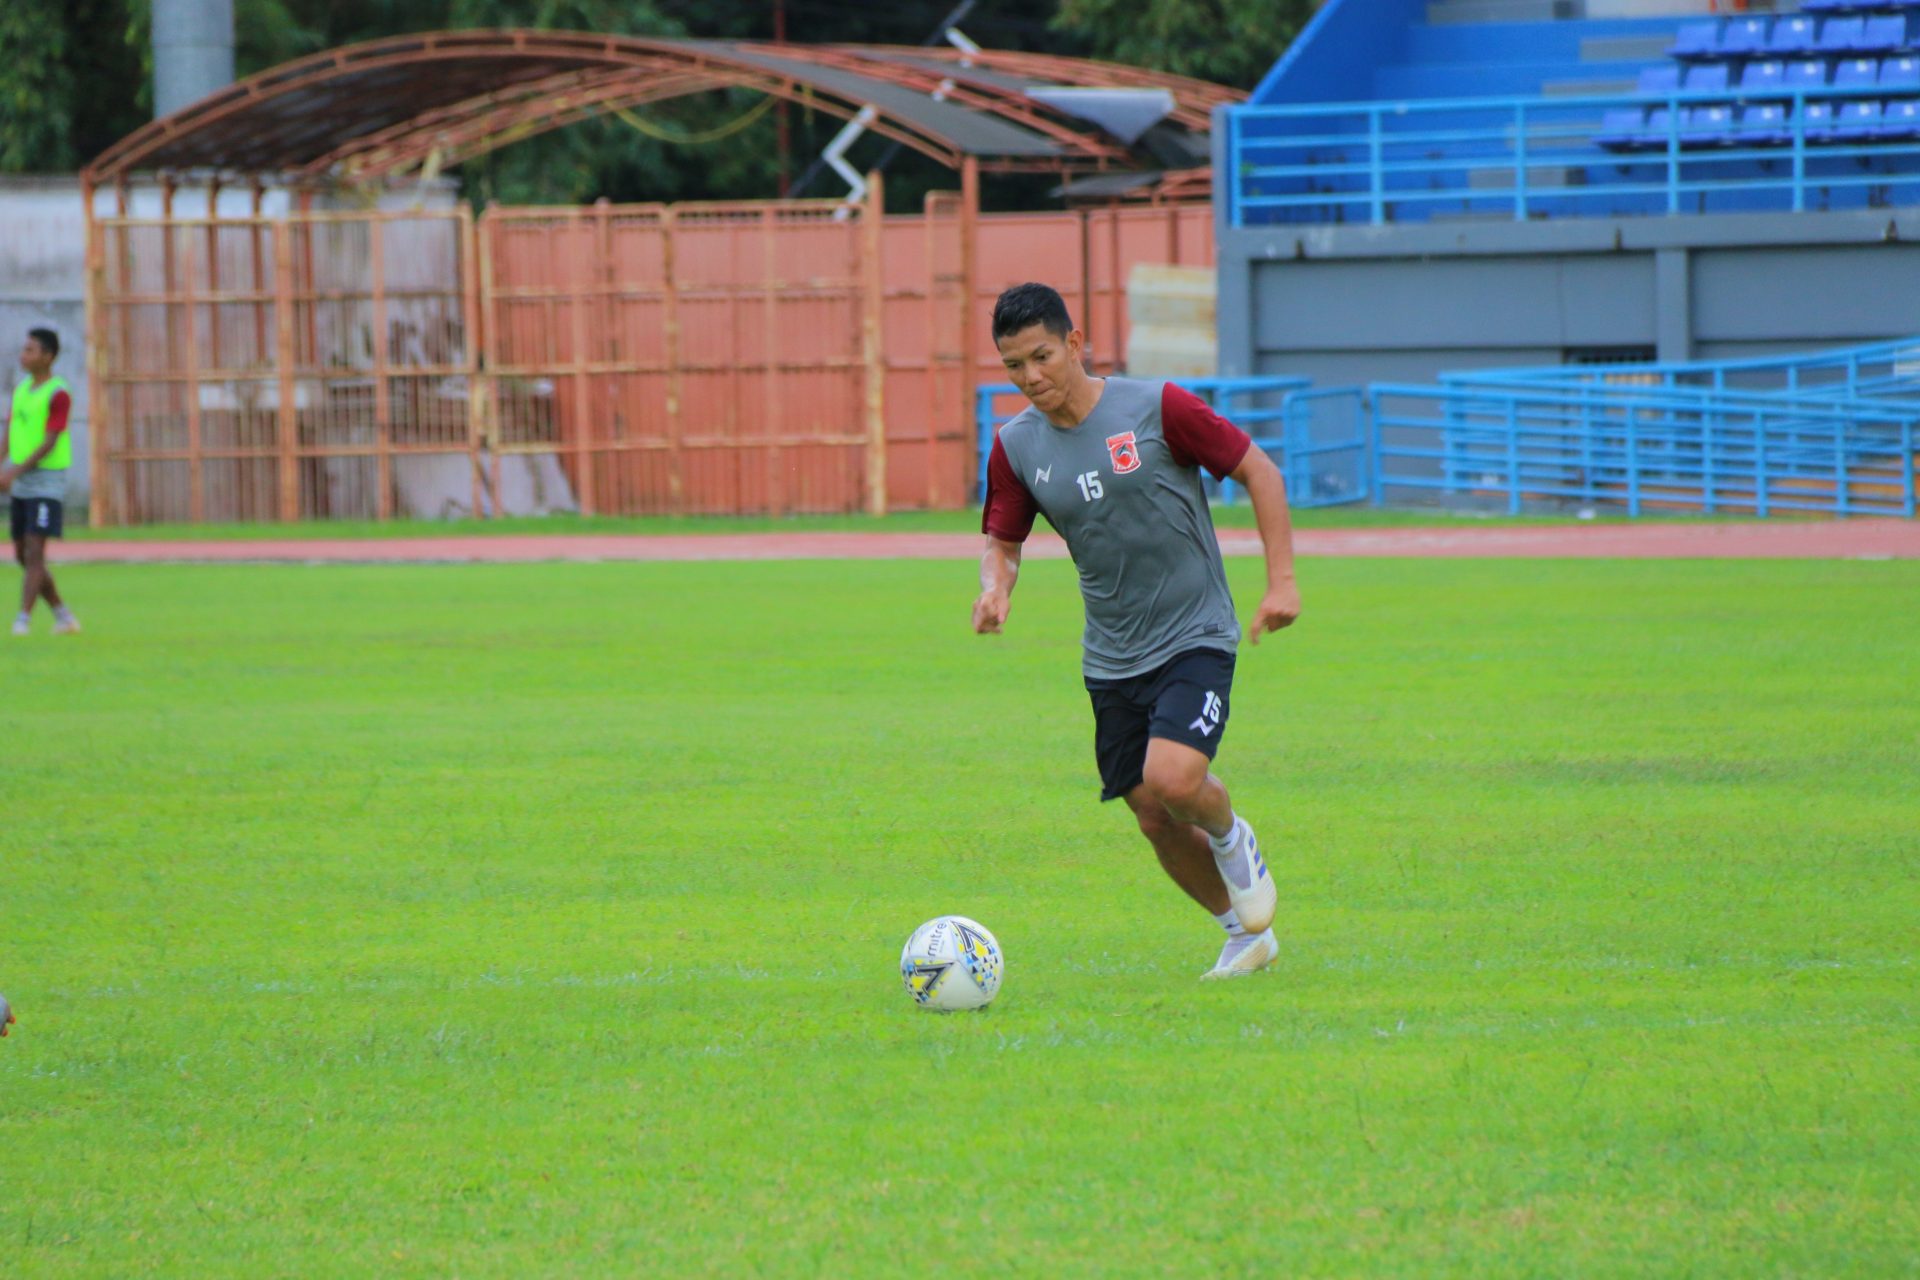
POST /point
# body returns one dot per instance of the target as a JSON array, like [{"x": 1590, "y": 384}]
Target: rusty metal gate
[
  {"x": 311, "y": 366},
  {"x": 755, "y": 358}
]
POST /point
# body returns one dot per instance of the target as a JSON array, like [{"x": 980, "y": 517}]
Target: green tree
[
  {"x": 36, "y": 96},
  {"x": 1227, "y": 41}
]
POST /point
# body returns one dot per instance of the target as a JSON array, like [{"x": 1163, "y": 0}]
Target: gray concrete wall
[
  {"x": 1407, "y": 303},
  {"x": 43, "y": 257}
]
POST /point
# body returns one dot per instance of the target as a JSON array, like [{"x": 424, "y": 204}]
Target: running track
[{"x": 1767, "y": 540}]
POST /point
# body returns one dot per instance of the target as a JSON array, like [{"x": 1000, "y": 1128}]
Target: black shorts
[
  {"x": 38, "y": 517},
  {"x": 1185, "y": 700}
]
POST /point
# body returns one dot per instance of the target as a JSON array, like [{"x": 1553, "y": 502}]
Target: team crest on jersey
[{"x": 1125, "y": 453}]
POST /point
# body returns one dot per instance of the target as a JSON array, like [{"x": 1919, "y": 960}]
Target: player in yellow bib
[{"x": 39, "y": 452}]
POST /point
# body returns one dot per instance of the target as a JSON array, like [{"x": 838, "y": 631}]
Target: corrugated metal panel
[{"x": 696, "y": 359}]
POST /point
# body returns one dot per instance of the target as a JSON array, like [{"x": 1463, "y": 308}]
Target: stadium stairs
[{"x": 1607, "y": 90}]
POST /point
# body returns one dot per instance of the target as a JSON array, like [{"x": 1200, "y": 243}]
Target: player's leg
[
  {"x": 1191, "y": 702},
  {"x": 1178, "y": 776},
  {"x": 1123, "y": 716},
  {"x": 1183, "y": 850},
  {"x": 46, "y": 521},
  {"x": 23, "y": 622}
]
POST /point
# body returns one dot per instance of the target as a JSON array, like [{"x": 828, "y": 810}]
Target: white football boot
[
  {"x": 22, "y": 627},
  {"x": 67, "y": 626},
  {"x": 1249, "y": 887},
  {"x": 1248, "y": 953}
]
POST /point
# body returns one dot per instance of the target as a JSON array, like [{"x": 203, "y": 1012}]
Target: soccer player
[
  {"x": 6, "y": 1017},
  {"x": 39, "y": 451},
  {"x": 1114, "y": 465}
]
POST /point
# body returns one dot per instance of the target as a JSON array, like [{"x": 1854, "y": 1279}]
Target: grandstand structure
[
  {"x": 1613, "y": 254},
  {"x": 1421, "y": 188}
]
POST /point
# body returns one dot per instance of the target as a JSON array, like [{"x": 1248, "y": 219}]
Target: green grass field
[
  {"x": 1228, "y": 516},
  {"x": 544, "y": 920}
]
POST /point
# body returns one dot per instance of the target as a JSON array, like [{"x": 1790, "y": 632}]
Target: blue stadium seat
[
  {"x": 1663, "y": 78},
  {"x": 1696, "y": 40},
  {"x": 1841, "y": 35},
  {"x": 1858, "y": 74},
  {"x": 1901, "y": 120},
  {"x": 1826, "y": 6},
  {"x": 1764, "y": 126},
  {"x": 1792, "y": 35},
  {"x": 1744, "y": 37},
  {"x": 1622, "y": 129},
  {"x": 1900, "y": 75},
  {"x": 1763, "y": 77},
  {"x": 1806, "y": 75},
  {"x": 1817, "y": 119},
  {"x": 1709, "y": 127},
  {"x": 1883, "y": 35},
  {"x": 1654, "y": 133},
  {"x": 1858, "y": 122},
  {"x": 1709, "y": 77}
]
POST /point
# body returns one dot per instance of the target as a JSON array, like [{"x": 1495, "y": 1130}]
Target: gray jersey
[
  {"x": 39, "y": 483},
  {"x": 1124, "y": 489}
]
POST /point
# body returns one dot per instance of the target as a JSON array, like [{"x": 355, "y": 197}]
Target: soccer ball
[{"x": 952, "y": 963}]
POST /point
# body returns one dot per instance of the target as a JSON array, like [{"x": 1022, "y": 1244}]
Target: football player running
[{"x": 1114, "y": 464}]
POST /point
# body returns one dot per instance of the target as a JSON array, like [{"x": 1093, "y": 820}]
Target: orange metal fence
[
  {"x": 712, "y": 358},
  {"x": 238, "y": 376}
]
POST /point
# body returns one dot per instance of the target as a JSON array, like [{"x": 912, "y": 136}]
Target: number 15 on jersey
[{"x": 1089, "y": 482}]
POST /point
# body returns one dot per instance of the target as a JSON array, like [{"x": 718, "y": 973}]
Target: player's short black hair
[
  {"x": 1029, "y": 304},
  {"x": 49, "y": 340}
]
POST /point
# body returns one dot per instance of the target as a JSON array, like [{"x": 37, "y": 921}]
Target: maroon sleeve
[
  {"x": 1010, "y": 507},
  {"x": 57, "y": 410},
  {"x": 1198, "y": 436}
]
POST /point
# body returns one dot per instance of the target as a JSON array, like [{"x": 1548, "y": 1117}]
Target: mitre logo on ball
[{"x": 1124, "y": 452}]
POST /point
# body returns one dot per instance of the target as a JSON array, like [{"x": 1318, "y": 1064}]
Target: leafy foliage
[
  {"x": 1226, "y": 41},
  {"x": 36, "y": 109}
]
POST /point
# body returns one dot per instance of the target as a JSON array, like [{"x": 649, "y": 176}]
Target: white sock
[
  {"x": 23, "y": 616},
  {"x": 63, "y": 614},
  {"x": 1230, "y": 921},
  {"x": 1221, "y": 844}
]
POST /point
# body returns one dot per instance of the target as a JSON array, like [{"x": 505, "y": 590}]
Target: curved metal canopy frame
[{"x": 368, "y": 111}]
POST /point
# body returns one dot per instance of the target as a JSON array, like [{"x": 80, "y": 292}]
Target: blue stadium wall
[{"x": 1405, "y": 301}]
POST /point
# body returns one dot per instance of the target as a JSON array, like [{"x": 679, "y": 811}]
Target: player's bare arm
[
  {"x": 999, "y": 570},
  {"x": 10, "y": 472},
  {"x": 1264, "y": 484}
]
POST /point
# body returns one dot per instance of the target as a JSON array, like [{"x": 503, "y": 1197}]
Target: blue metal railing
[
  {"x": 1526, "y": 157},
  {"x": 1878, "y": 371},
  {"x": 1673, "y": 447},
  {"x": 1318, "y": 435}
]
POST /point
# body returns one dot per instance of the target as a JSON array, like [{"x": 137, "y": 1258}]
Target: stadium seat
[
  {"x": 1708, "y": 127},
  {"x": 1762, "y": 126},
  {"x": 1763, "y": 77},
  {"x": 1664, "y": 78},
  {"x": 1806, "y": 75},
  {"x": 1817, "y": 119},
  {"x": 1900, "y": 75},
  {"x": 1826, "y": 6},
  {"x": 1858, "y": 74},
  {"x": 1858, "y": 122},
  {"x": 1883, "y": 35},
  {"x": 1791, "y": 35},
  {"x": 1696, "y": 40},
  {"x": 1900, "y": 120},
  {"x": 1622, "y": 129},
  {"x": 1841, "y": 35},
  {"x": 1654, "y": 134},
  {"x": 1709, "y": 77},
  {"x": 1744, "y": 37}
]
